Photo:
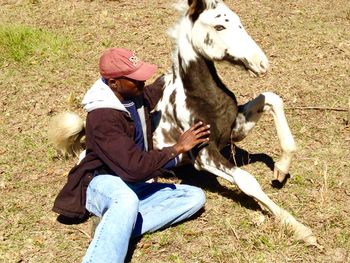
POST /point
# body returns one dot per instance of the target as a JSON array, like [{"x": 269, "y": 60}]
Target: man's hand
[{"x": 195, "y": 135}]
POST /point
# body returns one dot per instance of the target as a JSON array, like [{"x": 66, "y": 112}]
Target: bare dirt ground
[{"x": 308, "y": 45}]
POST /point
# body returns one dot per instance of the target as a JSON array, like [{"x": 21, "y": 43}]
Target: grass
[
  {"x": 28, "y": 45},
  {"x": 49, "y": 53}
]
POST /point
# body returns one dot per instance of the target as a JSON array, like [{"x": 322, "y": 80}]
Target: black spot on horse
[
  {"x": 172, "y": 98},
  {"x": 208, "y": 41}
]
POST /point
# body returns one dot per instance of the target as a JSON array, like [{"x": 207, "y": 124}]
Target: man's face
[{"x": 127, "y": 88}]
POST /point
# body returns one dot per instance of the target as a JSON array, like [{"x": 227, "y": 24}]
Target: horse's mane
[{"x": 181, "y": 7}]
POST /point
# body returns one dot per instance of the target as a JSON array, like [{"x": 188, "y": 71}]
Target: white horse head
[{"x": 217, "y": 33}]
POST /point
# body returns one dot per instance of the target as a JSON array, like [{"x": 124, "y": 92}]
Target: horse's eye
[{"x": 219, "y": 27}]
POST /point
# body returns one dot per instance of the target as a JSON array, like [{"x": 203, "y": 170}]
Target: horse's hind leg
[
  {"x": 248, "y": 116},
  {"x": 250, "y": 186},
  {"x": 212, "y": 161}
]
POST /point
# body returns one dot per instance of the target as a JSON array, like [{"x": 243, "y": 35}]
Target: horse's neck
[
  {"x": 207, "y": 98},
  {"x": 200, "y": 80}
]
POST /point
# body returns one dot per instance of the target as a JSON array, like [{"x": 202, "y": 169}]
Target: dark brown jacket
[{"x": 110, "y": 147}]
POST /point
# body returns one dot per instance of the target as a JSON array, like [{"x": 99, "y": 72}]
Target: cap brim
[{"x": 143, "y": 73}]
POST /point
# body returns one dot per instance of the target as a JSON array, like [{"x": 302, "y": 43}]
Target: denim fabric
[{"x": 129, "y": 210}]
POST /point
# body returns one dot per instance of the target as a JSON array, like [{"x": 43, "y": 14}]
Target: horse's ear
[{"x": 196, "y": 7}]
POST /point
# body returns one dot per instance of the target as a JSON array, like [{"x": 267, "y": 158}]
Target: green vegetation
[{"x": 28, "y": 45}]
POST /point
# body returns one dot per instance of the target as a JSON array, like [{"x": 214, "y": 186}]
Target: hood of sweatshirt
[{"x": 101, "y": 96}]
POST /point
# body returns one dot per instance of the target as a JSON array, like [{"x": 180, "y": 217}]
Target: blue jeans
[{"x": 129, "y": 210}]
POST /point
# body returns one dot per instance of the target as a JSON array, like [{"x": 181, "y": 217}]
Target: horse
[{"x": 209, "y": 31}]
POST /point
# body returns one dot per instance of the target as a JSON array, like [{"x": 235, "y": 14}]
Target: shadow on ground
[{"x": 207, "y": 181}]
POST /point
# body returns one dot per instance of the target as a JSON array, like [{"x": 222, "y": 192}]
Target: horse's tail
[{"x": 66, "y": 133}]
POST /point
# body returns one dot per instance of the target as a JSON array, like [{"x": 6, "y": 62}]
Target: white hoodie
[{"x": 100, "y": 96}]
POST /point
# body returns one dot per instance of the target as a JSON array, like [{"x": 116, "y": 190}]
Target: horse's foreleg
[
  {"x": 248, "y": 116},
  {"x": 274, "y": 104},
  {"x": 213, "y": 162}
]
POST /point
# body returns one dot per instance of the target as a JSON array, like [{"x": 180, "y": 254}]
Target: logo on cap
[{"x": 134, "y": 60}]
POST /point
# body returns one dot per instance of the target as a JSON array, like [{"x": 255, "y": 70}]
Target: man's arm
[{"x": 117, "y": 149}]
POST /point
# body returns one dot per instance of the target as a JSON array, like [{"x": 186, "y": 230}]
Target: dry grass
[{"x": 308, "y": 45}]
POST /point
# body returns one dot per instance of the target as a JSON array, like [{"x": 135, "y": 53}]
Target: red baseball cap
[{"x": 120, "y": 62}]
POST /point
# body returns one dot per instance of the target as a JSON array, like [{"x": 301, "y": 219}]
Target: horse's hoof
[
  {"x": 311, "y": 241},
  {"x": 279, "y": 175},
  {"x": 305, "y": 234}
]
